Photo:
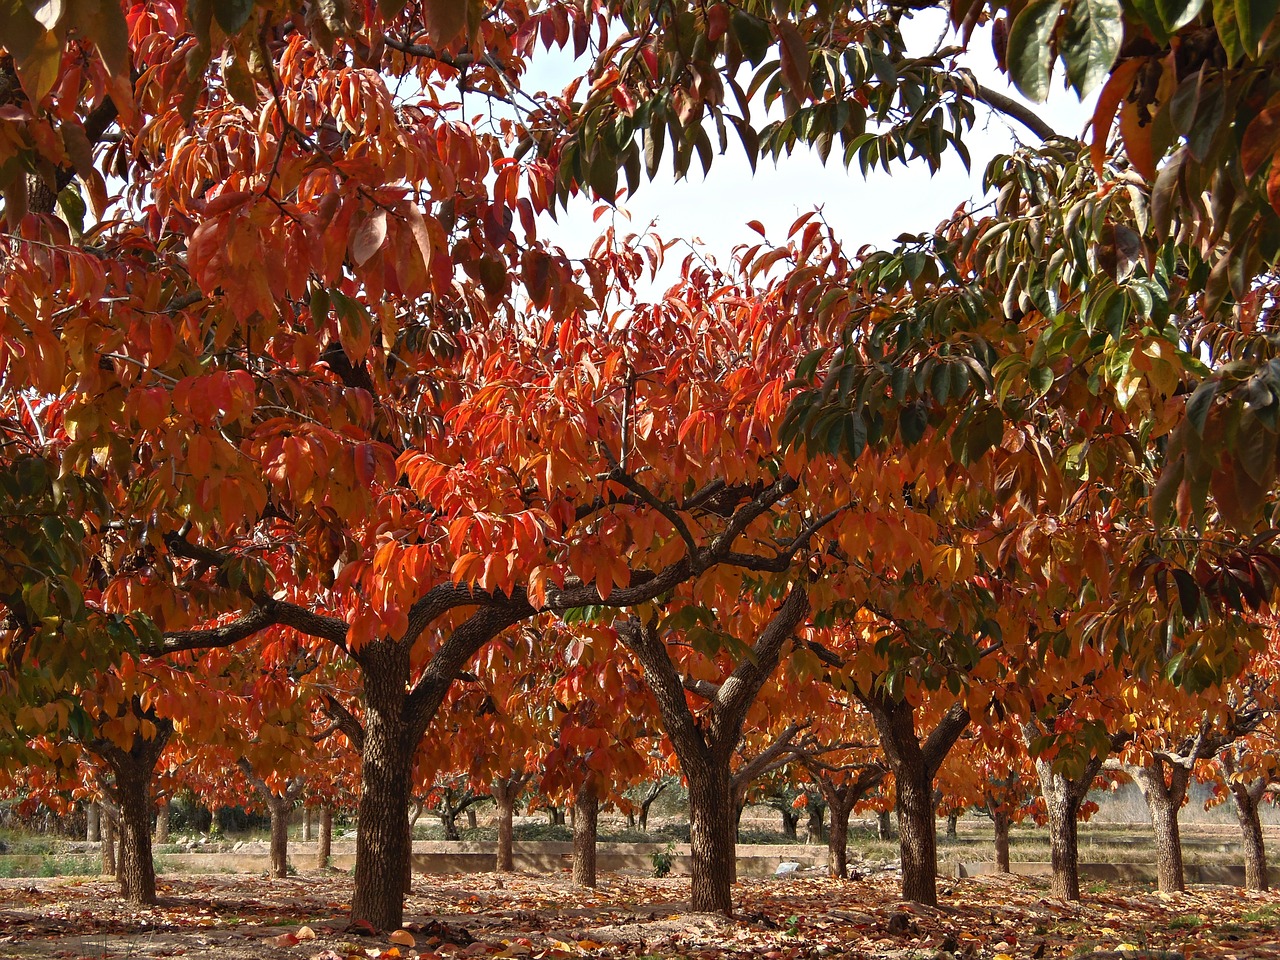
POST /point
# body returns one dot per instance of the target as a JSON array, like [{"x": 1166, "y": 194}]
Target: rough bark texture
[
  {"x": 813, "y": 832},
  {"x": 1062, "y": 797},
  {"x": 162, "y": 820},
  {"x": 137, "y": 869},
  {"x": 586, "y": 810},
  {"x": 471, "y": 818},
  {"x": 1247, "y": 796},
  {"x": 307, "y": 832},
  {"x": 1001, "y": 820},
  {"x": 324, "y": 842},
  {"x": 382, "y": 838},
  {"x": 884, "y": 825},
  {"x": 953, "y": 820},
  {"x": 93, "y": 823},
  {"x": 917, "y": 833},
  {"x": 505, "y": 792},
  {"x": 790, "y": 820},
  {"x": 915, "y": 764},
  {"x": 705, "y": 746},
  {"x": 838, "y": 844},
  {"x": 712, "y": 836},
  {"x": 1164, "y": 794},
  {"x": 280, "y": 809},
  {"x": 133, "y": 769},
  {"x": 108, "y": 845}
]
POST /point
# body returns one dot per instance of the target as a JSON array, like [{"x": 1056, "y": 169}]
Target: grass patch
[{"x": 48, "y": 865}]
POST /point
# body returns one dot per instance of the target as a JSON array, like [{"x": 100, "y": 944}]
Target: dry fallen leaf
[{"x": 305, "y": 933}]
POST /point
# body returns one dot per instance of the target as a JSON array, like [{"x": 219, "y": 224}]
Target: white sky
[{"x": 874, "y": 211}]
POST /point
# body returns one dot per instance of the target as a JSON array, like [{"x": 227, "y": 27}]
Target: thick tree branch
[{"x": 1015, "y": 110}]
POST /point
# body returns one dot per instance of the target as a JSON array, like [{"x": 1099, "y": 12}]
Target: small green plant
[
  {"x": 793, "y": 926},
  {"x": 663, "y": 860}
]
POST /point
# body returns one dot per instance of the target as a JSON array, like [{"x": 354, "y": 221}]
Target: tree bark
[
  {"x": 449, "y": 821},
  {"x": 914, "y": 765},
  {"x": 1164, "y": 801},
  {"x": 471, "y": 818},
  {"x": 1062, "y": 797},
  {"x": 93, "y": 822},
  {"x": 952, "y": 820},
  {"x": 813, "y": 829},
  {"x": 917, "y": 833},
  {"x": 324, "y": 842},
  {"x": 884, "y": 825},
  {"x": 133, "y": 770},
  {"x": 386, "y": 760},
  {"x": 838, "y": 842},
  {"x": 505, "y": 791},
  {"x": 1247, "y": 797},
  {"x": 586, "y": 810},
  {"x": 713, "y": 836},
  {"x": 1001, "y": 821},
  {"x": 136, "y": 865},
  {"x": 280, "y": 808},
  {"x": 307, "y": 832},
  {"x": 790, "y": 820},
  {"x": 108, "y": 845},
  {"x": 162, "y": 820}
]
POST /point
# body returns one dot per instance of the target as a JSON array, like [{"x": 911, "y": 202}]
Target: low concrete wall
[
  {"x": 1229, "y": 875},
  {"x": 754, "y": 860}
]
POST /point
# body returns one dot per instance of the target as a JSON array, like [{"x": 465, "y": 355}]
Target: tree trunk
[
  {"x": 713, "y": 831},
  {"x": 108, "y": 845},
  {"x": 1064, "y": 845},
  {"x": 1164, "y": 802},
  {"x": 162, "y": 820},
  {"x": 471, "y": 818},
  {"x": 790, "y": 820},
  {"x": 555, "y": 817},
  {"x": 917, "y": 834},
  {"x": 280, "y": 809},
  {"x": 1247, "y": 797},
  {"x": 1164, "y": 821},
  {"x": 93, "y": 822},
  {"x": 586, "y": 810},
  {"x": 813, "y": 829},
  {"x": 952, "y": 820},
  {"x": 504, "y": 797},
  {"x": 307, "y": 832},
  {"x": 382, "y": 837},
  {"x": 1062, "y": 798},
  {"x": 838, "y": 842},
  {"x": 449, "y": 820},
  {"x": 324, "y": 843},
  {"x": 1001, "y": 820},
  {"x": 137, "y": 870},
  {"x": 884, "y": 825},
  {"x": 644, "y": 815}
]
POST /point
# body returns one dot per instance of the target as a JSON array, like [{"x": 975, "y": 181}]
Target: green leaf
[
  {"x": 232, "y": 14},
  {"x": 752, "y": 34},
  {"x": 912, "y": 423},
  {"x": 1224, "y": 21},
  {"x": 1091, "y": 42},
  {"x": 1041, "y": 379},
  {"x": 1030, "y": 55},
  {"x": 1199, "y": 403},
  {"x": 1175, "y": 14},
  {"x": 1254, "y": 18}
]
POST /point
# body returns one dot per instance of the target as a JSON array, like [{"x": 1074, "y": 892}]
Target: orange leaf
[{"x": 1115, "y": 90}]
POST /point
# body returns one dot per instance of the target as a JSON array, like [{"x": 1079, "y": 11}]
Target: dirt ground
[{"x": 490, "y": 915}]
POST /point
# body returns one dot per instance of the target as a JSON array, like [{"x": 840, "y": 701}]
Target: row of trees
[{"x": 308, "y": 436}]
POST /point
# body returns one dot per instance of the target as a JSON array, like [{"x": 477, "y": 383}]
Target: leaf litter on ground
[{"x": 544, "y": 917}]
